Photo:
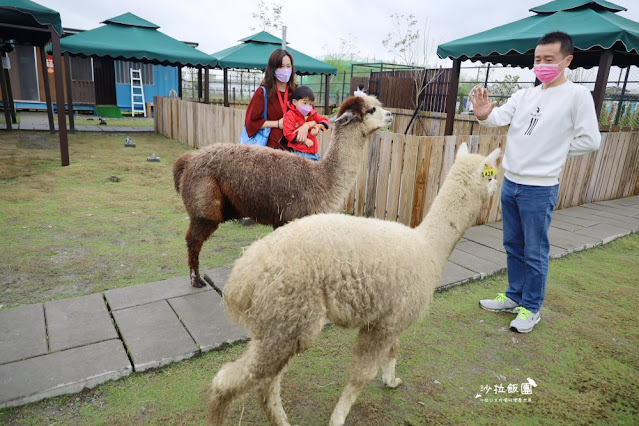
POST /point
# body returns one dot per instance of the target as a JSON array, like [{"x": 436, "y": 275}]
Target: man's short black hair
[
  {"x": 567, "y": 45},
  {"x": 303, "y": 92}
]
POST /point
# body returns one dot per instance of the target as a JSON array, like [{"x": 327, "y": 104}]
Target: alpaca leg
[
  {"x": 388, "y": 366},
  {"x": 229, "y": 384},
  {"x": 371, "y": 347},
  {"x": 271, "y": 401},
  {"x": 199, "y": 231}
]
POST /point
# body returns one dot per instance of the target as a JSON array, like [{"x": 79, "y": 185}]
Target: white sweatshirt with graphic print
[{"x": 546, "y": 126}]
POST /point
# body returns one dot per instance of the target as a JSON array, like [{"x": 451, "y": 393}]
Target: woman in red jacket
[{"x": 279, "y": 81}]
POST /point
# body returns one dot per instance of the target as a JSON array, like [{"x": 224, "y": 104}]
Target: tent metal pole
[
  {"x": 47, "y": 88},
  {"x": 5, "y": 99},
  {"x": 67, "y": 72},
  {"x": 451, "y": 98},
  {"x": 605, "y": 61},
  {"x": 226, "y": 87},
  {"x": 206, "y": 85},
  {"x": 59, "y": 97}
]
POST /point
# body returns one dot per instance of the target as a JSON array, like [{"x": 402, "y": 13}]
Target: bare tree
[
  {"x": 410, "y": 45},
  {"x": 268, "y": 17}
]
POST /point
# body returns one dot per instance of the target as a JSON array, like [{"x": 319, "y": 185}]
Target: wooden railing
[
  {"x": 83, "y": 92},
  {"x": 400, "y": 175}
]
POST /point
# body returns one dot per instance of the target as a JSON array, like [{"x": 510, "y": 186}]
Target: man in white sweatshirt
[{"x": 548, "y": 123}]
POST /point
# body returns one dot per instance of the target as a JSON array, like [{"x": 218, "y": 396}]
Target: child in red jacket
[{"x": 303, "y": 123}]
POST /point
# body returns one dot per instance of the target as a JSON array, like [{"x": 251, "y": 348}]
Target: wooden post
[
  {"x": 59, "y": 97},
  {"x": 179, "y": 82},
  {"x": 605, "y": 61},
  {"x": 451, "y": 97},
  {"x": 5, "y": 98},
  {"x": 199, "y": 83},
  {"x": 47, "y": 88},
  {"x": 206, "y": 85},
  {"x": 327, "y": 95},
  {"x": 67, "y": 72},
  {"x": 226, "y": 87}
]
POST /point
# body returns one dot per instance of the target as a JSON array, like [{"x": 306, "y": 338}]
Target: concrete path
[
  {"x": 30, "y": 120},
  {"x": 64, "y": 346}
]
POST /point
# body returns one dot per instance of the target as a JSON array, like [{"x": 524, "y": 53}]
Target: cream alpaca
[
  {"x": 360, "y": 273},
  {"x": 230, "y": 181}
]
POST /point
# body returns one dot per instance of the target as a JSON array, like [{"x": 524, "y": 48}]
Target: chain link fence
[{"x": 620, "y": 107}]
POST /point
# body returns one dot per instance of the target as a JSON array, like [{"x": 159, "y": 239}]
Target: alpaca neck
[
  {"x": 450, "y": 215},
  {"x": 342, "y": 160}
]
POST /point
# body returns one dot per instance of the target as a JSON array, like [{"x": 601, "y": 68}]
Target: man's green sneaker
[
  {"x": 499, "y": 304},
  {"x": 525, "y": 320}
]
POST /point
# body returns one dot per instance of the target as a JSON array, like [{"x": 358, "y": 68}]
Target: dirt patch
[{"x": 36, "y": 141}]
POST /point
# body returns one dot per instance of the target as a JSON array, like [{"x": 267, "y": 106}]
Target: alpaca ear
[
  {"x": 492, "y": 157},
  {"x": 344, "y": 118},
  {"x": 463, "y": 150}
]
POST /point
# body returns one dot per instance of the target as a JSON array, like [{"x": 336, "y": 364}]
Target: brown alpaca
[
  {"x": 229, "y": 181},
  {"x": 373, "y": 275}
]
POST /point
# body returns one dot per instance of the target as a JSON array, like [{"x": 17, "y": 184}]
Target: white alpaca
[{"x": 360, "y": 273}]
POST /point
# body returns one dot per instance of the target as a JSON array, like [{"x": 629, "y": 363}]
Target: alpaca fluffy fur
[
  {"x": 369, "y": 274},
  {"x": 230, "y": 181}
]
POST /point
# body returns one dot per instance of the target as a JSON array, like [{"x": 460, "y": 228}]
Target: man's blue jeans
[{"x": 527, "y": 212}]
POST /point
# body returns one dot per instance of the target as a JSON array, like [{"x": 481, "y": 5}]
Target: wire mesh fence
[{"x": 392, "y": 85}]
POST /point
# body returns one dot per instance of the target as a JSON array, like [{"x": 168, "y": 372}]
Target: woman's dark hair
[
  {"x": 567, "y": 45},
  {"x": 303, "y": 92},
  {"x": 275, "y": 62}
]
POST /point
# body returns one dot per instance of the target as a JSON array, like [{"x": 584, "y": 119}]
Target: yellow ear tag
[{"x": 488, "y": 171}]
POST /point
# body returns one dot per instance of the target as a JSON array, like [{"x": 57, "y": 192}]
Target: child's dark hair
[
  {"x": 360, "y": 87},
  {"x": 302, "y": 92},
  {"x": 567, "y": 45}
]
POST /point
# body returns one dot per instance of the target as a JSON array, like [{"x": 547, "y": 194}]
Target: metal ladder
[{"x": 137, "y": 92}]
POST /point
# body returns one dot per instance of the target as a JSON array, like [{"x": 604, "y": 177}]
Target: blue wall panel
[{"x": 165, "y": 79}]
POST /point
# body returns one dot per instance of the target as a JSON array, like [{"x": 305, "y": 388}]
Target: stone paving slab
[
  {"x": 141, "y": 294},
  {"x": 604, "y": 232},
  {"x": 23, "y": 333},
  {"x": 205, "y": 318},
  {"x": 566, "y": 226},
  {"x": 566, "y": 217},
  {"x": 219, "y": 277},
  {"x": 571, "y": 241},
  {"x": 629, "y": 223},
  {"x": 154, "y": 335},
  {"x": 495, "y": 256},
  {"x": 454, "y": 274},
  {"x": 486, "y": 236},
  {"x": 622, "y": 204},
  {"x": 474, "y": 263},
  {"x": 630, "y": 211},
  {"x": 78, "y": 321},
  {"x": 62, "y": 372}
]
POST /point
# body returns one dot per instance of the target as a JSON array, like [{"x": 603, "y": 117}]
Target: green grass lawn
[
  {"x": 71, "y": 231},
  {"x": 584, "y": 357},
  {"x": 110, "y": 219}
]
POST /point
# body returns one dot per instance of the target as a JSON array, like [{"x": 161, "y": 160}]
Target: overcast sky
[{"x": 314, "y": 28}]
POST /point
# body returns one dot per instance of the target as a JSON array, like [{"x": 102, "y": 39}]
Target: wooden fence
[{"x": 401, "y": 175}]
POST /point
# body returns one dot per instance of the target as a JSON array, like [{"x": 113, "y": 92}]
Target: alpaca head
[
  {"x": 365, "y": 112},
  {"x": 476, "y": 171}
]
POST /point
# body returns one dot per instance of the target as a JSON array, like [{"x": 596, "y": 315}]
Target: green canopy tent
[
  {"x": 602, "y": 38},
  {"x": 254, "y": 51},
  {"x": 129, "y": 37},
  {"x": 26, "y": 22}
]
